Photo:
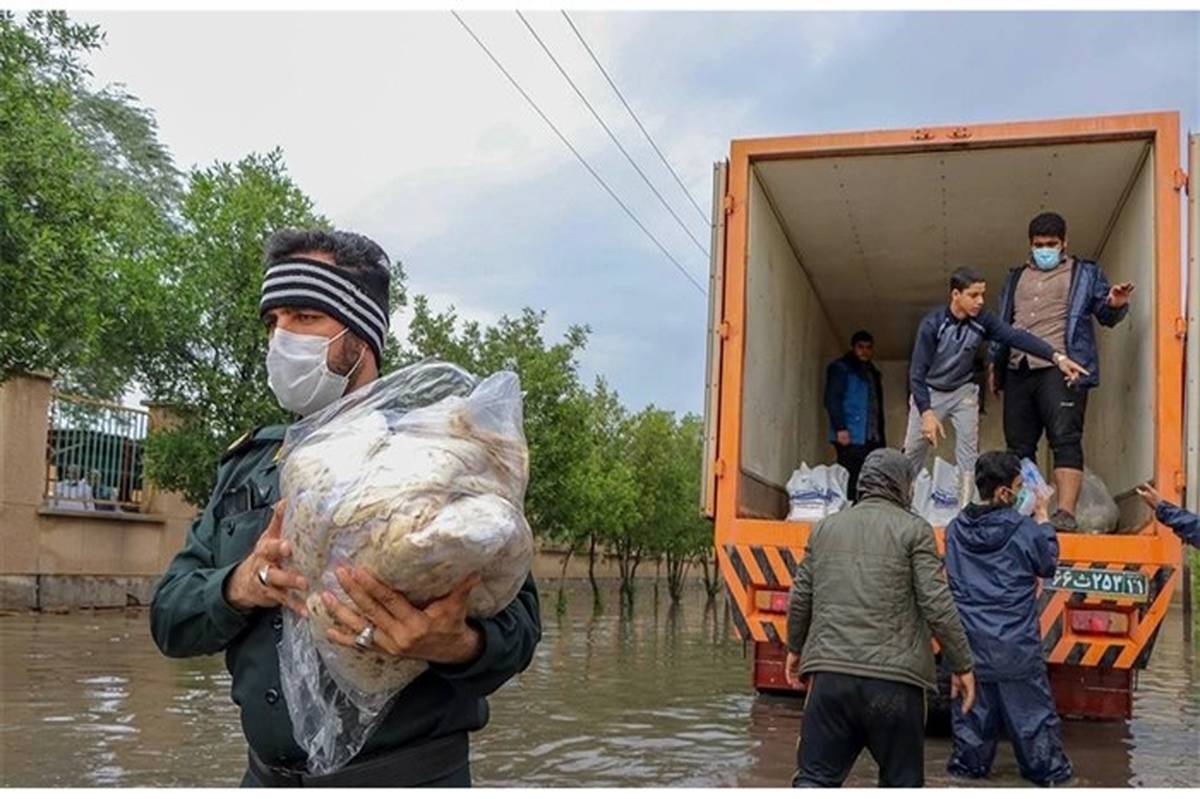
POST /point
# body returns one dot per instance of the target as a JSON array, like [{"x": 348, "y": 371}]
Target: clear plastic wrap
[
  {"x": 1096, "y": 511},
  {"x": 419, "y": 477}
]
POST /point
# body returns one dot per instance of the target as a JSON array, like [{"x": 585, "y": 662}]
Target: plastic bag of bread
[{"x": 419, "y": 477}]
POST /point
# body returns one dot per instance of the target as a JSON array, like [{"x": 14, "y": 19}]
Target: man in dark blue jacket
[
  {"x": 1054, "y": 296},
  {"x": 854, "y": 402},
  {"x": 1183, "y": 523},
  {"x": 995, "y": 554}
]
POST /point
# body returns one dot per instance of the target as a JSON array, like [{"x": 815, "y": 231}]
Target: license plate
[{"x": 1123, "y": 584}]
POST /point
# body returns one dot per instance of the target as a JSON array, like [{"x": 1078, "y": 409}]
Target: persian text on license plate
[{"x": 1124, "y": 584}]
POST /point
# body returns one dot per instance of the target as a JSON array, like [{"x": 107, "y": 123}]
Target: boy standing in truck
[
  {"x": 1053, "y": 295},
  {"x": 943, "y": 364}
]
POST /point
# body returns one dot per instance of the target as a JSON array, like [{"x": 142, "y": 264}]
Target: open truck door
[
  {"x": 712, "y": 368},
  {"x": 1192, "y": 357}
]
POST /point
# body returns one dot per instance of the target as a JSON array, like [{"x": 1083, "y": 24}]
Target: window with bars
[{"x": 94, "y": 455}]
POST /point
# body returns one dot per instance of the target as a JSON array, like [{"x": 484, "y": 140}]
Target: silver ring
[
  {"x": 365, "y": 638},
  {"x": 262, "y": 574}
]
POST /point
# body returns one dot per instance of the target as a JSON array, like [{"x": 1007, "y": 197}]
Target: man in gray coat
[{"x": 865, "y": 603}]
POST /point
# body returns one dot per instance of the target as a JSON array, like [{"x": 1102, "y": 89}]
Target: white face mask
[{"x": 298, "y": 371}]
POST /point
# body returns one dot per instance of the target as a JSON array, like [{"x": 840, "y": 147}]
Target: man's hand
[
  {"x": 1118, "y": 295},
  {"x": 244, "y": 590},
  {"x": 843, "y": 437},
  {"x": 438, "y": 633},
  {"x": 963, "y": 684},
  {"x": 993, "y": 380},
  {"x": 1072, "y": 370},
  {"x": 791, "y": 672},
  {"x": 1149, "y": 495},
  {"x": 931, "y": 428}
]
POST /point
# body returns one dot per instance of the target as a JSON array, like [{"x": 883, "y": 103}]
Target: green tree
[
  {"x": 602, "y": 490},
  {"x": 204, "y": 345},
  {"x": 77, "y": 219},
  {"x": 691, "y": 536},
  {"x": 649, "y": 451}
]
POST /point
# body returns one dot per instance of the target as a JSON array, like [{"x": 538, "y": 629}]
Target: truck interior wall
[
  {"x": 788, "y": 343},
  {"x": 1119, "y": 437}
]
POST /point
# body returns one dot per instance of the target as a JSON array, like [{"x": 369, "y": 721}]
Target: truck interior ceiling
[{"x": 842, "y": 242}]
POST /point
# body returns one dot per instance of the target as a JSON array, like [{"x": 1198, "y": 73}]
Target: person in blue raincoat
[
  {"x": 995, "y": 554},
  {"x": 1184, "y": 523}
]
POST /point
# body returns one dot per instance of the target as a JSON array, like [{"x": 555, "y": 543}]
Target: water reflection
[{"x": 657, "y": 697}]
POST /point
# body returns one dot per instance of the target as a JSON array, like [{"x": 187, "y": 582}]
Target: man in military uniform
[{"x": 325, "y": 303}]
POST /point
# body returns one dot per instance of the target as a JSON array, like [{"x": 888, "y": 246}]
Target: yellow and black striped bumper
[{"x": 750, "y": 568}]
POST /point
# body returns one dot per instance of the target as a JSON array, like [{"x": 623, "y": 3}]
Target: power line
[
  {"x": 575, "y": 152},
  {"x": 641, "y": 127},
  {"x": 611, "y": 135}
]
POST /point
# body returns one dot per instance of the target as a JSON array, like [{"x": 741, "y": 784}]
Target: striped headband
[{"x": 356, "y": 298}]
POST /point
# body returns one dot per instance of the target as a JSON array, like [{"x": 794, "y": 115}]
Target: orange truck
[{"x": 815, "y": 236}]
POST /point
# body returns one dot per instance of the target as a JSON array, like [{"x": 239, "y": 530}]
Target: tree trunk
[
  {"x": 677, "y": 570},
  {"x": 712, "y": 578},
  {"x": 561, "y": 604},
  {"x": 597, "y": 604},
  {"x": 633, "y": 559}
]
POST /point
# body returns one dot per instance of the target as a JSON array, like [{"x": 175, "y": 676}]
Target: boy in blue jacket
[{"x": 995, "y": 554}]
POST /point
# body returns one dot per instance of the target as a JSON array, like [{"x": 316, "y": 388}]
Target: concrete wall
[{"x": 58, "y": 558}]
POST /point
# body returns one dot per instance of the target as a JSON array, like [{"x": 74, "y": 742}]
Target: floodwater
[{"x": 658, "y": 698}]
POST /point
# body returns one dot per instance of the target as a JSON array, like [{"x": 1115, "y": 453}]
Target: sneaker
[{"x": 1064, "y": 521}]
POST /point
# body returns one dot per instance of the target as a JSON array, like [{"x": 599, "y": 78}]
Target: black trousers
[
  {"x": 1037, "y": 400},
  {"x": 852, "y": 456},
  {"x": 844, "y": 713},
  {"x": 456, "y": 779},
  {"x": 434, "y": 763}
]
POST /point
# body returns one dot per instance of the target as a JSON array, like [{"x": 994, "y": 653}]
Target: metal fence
[{"x": 94, "y": 455}]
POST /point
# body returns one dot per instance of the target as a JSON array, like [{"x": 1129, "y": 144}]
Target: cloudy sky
[{"x": 399, "y": 126}]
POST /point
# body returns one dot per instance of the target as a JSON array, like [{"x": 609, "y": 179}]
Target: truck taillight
[
  {"x": 1099, "y": 622},
  {"x": 771, "y": 601}
]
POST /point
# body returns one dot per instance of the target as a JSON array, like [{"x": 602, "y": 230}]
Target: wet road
[{"x": 661, "y": 698}]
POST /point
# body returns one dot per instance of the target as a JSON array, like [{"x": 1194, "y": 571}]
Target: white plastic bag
[
  {"x": 936, "y": 496},
  {"x": 814, "y": 493},
  {"x": 922, "y": 485},
  {"x": 943, "y": 494},
  {"x": 419, "y": 477},
  {"x": 1096, "y": 511}
]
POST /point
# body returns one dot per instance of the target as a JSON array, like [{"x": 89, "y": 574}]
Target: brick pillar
[{"x": 24, "y": 425}]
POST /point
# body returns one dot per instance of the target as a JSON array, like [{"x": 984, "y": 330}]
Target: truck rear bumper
[{"x": 1087, "y": 692}]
